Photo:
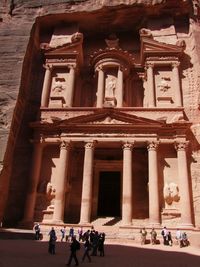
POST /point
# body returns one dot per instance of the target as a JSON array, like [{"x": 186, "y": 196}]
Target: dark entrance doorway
[{"x": 109, "y": 194}]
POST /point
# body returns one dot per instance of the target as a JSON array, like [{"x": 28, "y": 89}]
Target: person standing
[
  {"x": 71, "y": 233},
  {"x": 75, "y": 245},
  {"x": 52, "y": 241},
  {"x": 37, "y": 231},
  {"x": 80, "y": 234},
  {"x": 143, "y": 233},
  {"x": 153, "y": 236},
  {"x": 63, "y": 231},
  {"x": 165, "y": 233},
  {"x": 179, "y": 238}
]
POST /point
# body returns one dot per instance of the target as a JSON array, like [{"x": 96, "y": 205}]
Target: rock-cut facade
[{"x": 99, "y": 113}]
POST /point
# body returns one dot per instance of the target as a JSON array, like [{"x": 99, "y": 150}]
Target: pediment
[
  {"x": 111, "y": 118},
  {"x": 150, "y": 47}
]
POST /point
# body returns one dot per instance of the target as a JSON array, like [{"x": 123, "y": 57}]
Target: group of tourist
[
  {"x": 180, "y": 237},
  {"x": 92, "y": 242}
]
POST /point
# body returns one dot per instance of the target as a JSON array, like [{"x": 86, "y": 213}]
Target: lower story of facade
[{"x": 79, "y": 181}]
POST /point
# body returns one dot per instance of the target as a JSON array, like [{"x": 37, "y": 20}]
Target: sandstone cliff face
[{"x": 21, "y": 24}]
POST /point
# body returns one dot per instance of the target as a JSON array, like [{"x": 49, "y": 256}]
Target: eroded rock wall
[{"x": 20, "y": 22}]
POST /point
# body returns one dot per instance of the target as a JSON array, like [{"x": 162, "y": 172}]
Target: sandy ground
[{"x": 30, "y": 253}]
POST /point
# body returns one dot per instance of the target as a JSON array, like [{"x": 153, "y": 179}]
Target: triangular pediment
[
  {"x": 111, "y": 118},
  {"x": 150, "y": 47}
]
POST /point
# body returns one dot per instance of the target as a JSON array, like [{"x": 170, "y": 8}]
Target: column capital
[
  {"x": 65, "y": 144},
  {"x": 149, "y": 65},
  {"x": 90, "y": 145},
  {"x": 152, "y": 145},
  {"x": 175, "y": 64},
  {"x": 181, "y": 146},
  {"x": 71, "y": 66},
  {"x": 48, "y": 67},
  {"x": 127, "y": 145},
  {"x": 99, "y": 68}
]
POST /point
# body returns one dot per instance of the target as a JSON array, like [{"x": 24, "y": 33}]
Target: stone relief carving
[
  {"x": 108, "y": 120},
  {"x": 164, "y": 85},
  {"x": 145, "y": 32},
  {"x": 181, "y": 43},
  {"x": 50, "y": 191},
  {"x": 171, "y": 193},
  {"x": 58, "y": 87},
  {"x": 112, "y": 41}
]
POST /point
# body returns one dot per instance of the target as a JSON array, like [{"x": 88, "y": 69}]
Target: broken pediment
[
  {"x": 70, "y": 49},
  {"x": 153, "y": 48}
]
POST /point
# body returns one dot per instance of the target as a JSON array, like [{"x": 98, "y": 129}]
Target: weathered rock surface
[{"x": 21, "y": 24}]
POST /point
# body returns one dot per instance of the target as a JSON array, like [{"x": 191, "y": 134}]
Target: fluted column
[
  {"x": 100, "y": 87},
  {"x": 33, "y": 184},
  {"x": 46, "y": 87},
  {"x": 60, "y": 183},
  {"x": 185, "y": 201},
  {"x": 119, "y": 95},
  {"x": 127, "y": 184},
  {"x": 150, "y": 84},
  {"x": 154, "y": 211},
  {"x": 176, "y": 83},
  {"x": 70, "y": 88},
  {"x": 86, "y": 200}
]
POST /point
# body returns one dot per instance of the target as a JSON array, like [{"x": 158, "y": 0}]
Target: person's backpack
[{"x": 78, "y": 245}]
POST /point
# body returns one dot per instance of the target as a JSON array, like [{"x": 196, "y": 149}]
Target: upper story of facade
[{"x": 110, "y": 70}]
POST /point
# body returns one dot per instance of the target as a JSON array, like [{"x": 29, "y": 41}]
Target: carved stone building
[{"x": 109, "y": 118}]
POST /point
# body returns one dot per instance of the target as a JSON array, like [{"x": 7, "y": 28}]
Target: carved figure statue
[
  {"x": 50, "y": 191},
  {"x": 110, "y": 87},
  {"x": 171, "y": 193}
]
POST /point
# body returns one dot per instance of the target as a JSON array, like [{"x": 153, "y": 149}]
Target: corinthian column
[
  {"x": 46, "y": 86},
  {"x": 185, "y": 201},
  {"x": 150, "y": 84},
  {"x": 176, "y": 82},
  {"x": 127, "y": 185},
  {"x": 60, "y": 185},
  {"x": 86, "y": 200},
  {"x": 119, "y": 95},
  {"x": 70, "y": 88},
  {"x": 100, "y": 87},
  {"x": 154, "y": 211},
  {"x": 33, "y": 184}
]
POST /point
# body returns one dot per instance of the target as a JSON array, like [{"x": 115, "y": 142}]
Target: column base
[
  {"x": 59, "y": 222},
  {"x": 126, "y": 224},
  {"x": 86, "y": 224},
  {"x": 186, "y": 226},
  {"x": 26, "y": 224},
  {"x": 154, "y": 224}
]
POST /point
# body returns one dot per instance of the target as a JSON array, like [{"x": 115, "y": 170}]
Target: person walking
[
  {"x": 75, "y": 245},
  {"x": 87, "y": 248}
]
